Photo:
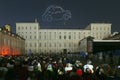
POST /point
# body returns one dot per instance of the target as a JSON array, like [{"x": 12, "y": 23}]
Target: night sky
[{"x": 83, "y": 12}]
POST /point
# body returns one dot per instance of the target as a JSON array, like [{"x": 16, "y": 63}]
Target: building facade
[
  {"x": 56, "y": 40},
  {"x": 10, "y": 43}
]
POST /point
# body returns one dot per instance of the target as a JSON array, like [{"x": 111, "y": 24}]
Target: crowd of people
[{"x": 54, "y": 67}]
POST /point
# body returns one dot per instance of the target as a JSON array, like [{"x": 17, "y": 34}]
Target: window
[
  {"x": 69, "y": 37},
  {"x": 64, "y": 37},
  {"x": 30, "y": 37},
  {"x": 39, "y": 44},
  {"x": 45, "y": 33},
  {"x": 60, "y": 37},
  {"x": 45, "y": 37},
  {"x": 30, "y": 45},
  {"x": 34, "y": 37},
  {"x": 79, "y": 36},
  {"x": 74, "y": 35},
  {"x": 55, "y": 33},
  {"x": 59, "y": 32},
  {"x": 39, "y": 37},
  {"x": 35, "y": 45}
]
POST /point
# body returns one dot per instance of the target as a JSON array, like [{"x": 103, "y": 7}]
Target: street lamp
[{"x": 0, "y": 29}]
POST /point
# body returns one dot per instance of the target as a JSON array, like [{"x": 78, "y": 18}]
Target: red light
[{"x": 5, "y": 50}]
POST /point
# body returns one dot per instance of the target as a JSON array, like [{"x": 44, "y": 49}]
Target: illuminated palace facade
[
  {"x": 39, "y": 40},
  {"x": 10, "y": 43}
]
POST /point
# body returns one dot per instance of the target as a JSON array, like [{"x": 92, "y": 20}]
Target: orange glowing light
[{"x": 5, "y": 50}]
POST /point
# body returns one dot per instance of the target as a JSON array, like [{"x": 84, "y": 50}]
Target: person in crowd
[
  {"x": 61, "y": 73},
  {"x": 74, "y": 75},
  {"x": 99, "y": 73},
  {"x": 68, "y": 68},
  {"x": 10, "y": 75},
  {"x": 88, "y": 71},
  {"x": 89, "y": 66},
  {"x": 3, "y": 69}
]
